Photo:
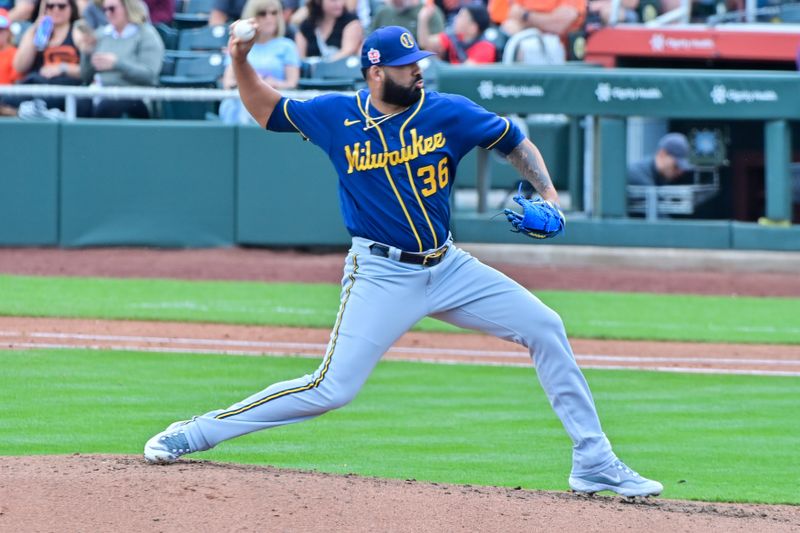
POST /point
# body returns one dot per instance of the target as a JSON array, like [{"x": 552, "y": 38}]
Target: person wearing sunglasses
[
  {"x": 51, "y": 57},
  {"x": 58, "y": 58},
  {"x": 127, "y": 52},
  {"x": 274, "y": 57}
]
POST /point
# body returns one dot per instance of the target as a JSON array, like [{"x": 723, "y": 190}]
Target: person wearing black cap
[
  {"x": 667, "y": 166},
  {"x": 396, "y": 148},
  {"x": 465, "y": 43}
]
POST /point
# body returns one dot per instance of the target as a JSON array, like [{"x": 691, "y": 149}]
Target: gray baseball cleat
[
  {"x": 165, "y": 447},
  {"x": 617, "y": 478}
]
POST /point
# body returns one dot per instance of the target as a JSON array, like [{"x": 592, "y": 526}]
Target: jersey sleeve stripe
[
  {"x": 325, "y": 366},
  {"x": 508, "y": 125},
  {"x": 286, "y": 113}
]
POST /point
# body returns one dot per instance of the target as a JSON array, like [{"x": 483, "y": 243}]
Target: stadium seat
[
  {"x": 343, "y": 74},
  {"x": 169, "y": 35},
  {"x": 498, "y": 39},
  {"x": 192, "y": 13},
  {"x": 190, "y": 69},
  {"x": 210, "y": 38}
]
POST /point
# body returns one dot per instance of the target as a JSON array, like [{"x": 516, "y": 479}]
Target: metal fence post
[
  {"x": 611, "y": 164},
  {"x": 777, "y": 179}
]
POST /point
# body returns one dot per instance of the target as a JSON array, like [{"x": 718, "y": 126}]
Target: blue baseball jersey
[{"x": 396, "y": 173}]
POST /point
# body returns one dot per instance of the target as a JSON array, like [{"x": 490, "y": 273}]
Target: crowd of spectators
[{"x": 116, "y": 42}]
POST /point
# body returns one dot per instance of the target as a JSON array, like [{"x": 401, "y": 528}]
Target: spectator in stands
[
  {"x": 330, "y": 31},
  {"x": 405, "y": 13},
  {"x": 225, "y": 11},
  {"x": 274, "y": 57},
  {"x": 49, "y": 59},
  {"x": 126, "y": 52},
  {"x": 465, "y": 43},
  {"x": 558, "y": 17},
  {"x": 667, "y": 166},
  {"x": 7, "y": 50},
  {"x": 362, "y": 9},
  {"x": 55, "y": 60}
]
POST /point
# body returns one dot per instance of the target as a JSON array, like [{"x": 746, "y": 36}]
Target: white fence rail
[{"x": 72, "y": 94}]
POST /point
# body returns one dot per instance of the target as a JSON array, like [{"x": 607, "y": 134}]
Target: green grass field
[
  {"x": 586, "y": 314},
  {"x": 706, "y": 437},
  {"x": 721, "y": 438}
]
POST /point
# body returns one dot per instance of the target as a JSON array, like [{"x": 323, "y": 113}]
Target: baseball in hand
[{"x": 244, "y": 30}]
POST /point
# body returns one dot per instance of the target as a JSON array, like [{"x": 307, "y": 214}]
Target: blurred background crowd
[
  {"x": 315, "y": 44},
  {"x": 301, "y": 44}
]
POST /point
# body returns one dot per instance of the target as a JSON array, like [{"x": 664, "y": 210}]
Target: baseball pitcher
[{"x": 395, "y": 148}]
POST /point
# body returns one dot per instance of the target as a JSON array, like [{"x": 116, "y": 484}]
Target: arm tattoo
[{"x": 528, "y": 161}]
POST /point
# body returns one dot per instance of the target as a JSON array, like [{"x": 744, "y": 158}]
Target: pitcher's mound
[{"x": 122, "y": 493}]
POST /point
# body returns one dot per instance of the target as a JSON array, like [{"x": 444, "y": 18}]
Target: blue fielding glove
[{"x": 539, "y": 219}]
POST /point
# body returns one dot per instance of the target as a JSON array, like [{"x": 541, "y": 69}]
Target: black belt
[{"x": 430, "y": 259}]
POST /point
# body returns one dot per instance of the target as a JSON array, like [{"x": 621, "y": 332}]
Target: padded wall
[
  {"x": 287, "y": 192},
  {"x": 147, "y": 183},
  {"x": 28, "y": 183}
]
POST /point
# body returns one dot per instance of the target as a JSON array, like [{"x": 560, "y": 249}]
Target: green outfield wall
[
  {"x": 286, "y": 192},
  {"x": 204, "y": 184},
  {"x": 137, "y": 183},
  {"x": 29, "y": 181}
]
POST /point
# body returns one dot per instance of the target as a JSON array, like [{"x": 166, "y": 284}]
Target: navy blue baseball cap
[
  {"x": 677, "y": 145},
  {"x": 391, "y": 46}
]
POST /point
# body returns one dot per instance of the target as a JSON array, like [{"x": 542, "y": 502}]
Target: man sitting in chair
[{"x": 666, "y": 166}]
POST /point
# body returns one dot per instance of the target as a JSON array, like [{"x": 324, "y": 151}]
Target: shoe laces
[{"x": 622, "y": 466}]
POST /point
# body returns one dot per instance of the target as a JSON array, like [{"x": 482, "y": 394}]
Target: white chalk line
[
  {"x": 291, "y": 348},
  {"x": 281, "y": 345}
]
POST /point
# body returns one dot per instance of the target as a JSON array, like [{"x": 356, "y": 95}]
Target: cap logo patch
[
  {"x": 407, "y": 40},
  {"x": 374, "y": 56}
]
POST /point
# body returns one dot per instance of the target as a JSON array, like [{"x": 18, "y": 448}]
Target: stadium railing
[{"x": 72, "y": 94}]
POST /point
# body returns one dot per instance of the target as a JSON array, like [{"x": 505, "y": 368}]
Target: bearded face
[{"x": 398, "y": 94}]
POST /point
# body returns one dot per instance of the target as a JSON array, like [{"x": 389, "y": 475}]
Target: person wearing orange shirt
[
  {"x": 559, "y": 17},
  {"x": 7, "y": 51}
]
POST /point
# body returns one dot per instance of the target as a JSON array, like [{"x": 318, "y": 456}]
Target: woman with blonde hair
[
  {"x": 273, "y": 56},
  {"x": 126, "y": 52}
]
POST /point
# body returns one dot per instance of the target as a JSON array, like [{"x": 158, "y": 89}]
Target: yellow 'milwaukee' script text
[{"x": 360, "y": 157}]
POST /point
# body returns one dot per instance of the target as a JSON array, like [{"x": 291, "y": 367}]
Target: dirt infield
[{"x": 121, "y": 493}]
